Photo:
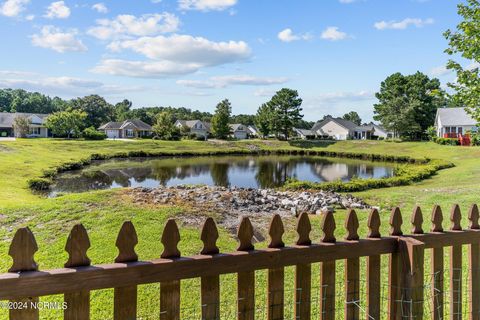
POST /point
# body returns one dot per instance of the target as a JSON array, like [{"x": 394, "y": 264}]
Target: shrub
[
  {"x": 92, "y": 134},
  {"x": 405, "y": 175},
  {"x": 39, "y": 184},
  {"x": 448, "y": 141}
]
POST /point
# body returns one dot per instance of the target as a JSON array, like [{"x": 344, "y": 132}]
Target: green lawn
[{"x": 103, "y": 212}]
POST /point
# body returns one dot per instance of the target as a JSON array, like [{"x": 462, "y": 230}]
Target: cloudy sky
[{"x": 194, "y": 53}]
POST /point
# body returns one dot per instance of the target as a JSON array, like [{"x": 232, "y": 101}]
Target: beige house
[{"x": 127, "y": 129}]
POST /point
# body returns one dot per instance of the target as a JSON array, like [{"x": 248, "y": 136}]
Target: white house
[
  {"x": 451, "y": 122},
  {"x": 197, "y": 127},
  {"x": 239, "y": 131},
  {"x": 36, "y": 121},
  {"x": 341, "y": 129},
  {"x": 127, "y": 129}
]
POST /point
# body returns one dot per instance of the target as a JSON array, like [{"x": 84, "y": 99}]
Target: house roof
[
  {"x": 253, "y": 129},
  {"x": 127, "y": 124},
  {"x": 237, "y": 127},
  {"x": 349, "y": 125},
  {"x": 304, "y": 132},
  {"x": 190, "y": 123},
  {"x": 454, "y": 117},
  {"x": 8, "y": 118}
]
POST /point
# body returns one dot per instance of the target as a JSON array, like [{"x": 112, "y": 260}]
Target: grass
[{"x": 102, "y": 212}]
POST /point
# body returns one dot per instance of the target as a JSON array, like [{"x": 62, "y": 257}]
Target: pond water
[{"x": 241, "y": 171}]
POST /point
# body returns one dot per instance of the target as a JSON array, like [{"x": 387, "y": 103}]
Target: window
[
  {"x": 129, "y": 133},
  {"x": 34, "y": 131},
  {"x": 460, "y": 130}
]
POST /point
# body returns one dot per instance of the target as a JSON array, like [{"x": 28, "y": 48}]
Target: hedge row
[
  {"x": 405, "y": 175},
  {"x": 44, "y": 182}
]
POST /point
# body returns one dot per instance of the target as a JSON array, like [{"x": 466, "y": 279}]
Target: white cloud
[
  {"x": 340, "y": 97},
  {"x": 225, "y": 81},
  {"x": 174, "y": 55},
  {"x": 144, "y": 69},
  {"x": 404, "y": 24},
  {"x": 440, "y": 71},
  {"x": 62, "y": 86},
  {"x": 264, "y": 92},
  {"x": 206, "y": 5},
  {"x": 186, "y": 49},
  {"x": 129, "y": 25},
  {"x": 100, "y": 7},
  {"x": 287, "y": 35},
  {"x": 57, "y": 10},
  {"x": 12, "y": 8},
  {"x": 58, "y": 40},
  {"x": 333, "y": 34}
]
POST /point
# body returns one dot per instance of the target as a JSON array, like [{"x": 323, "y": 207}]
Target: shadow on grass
[{"x": 308, "y": 144}]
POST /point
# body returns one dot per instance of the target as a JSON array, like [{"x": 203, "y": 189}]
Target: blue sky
[{"x": 194, "y": 53}]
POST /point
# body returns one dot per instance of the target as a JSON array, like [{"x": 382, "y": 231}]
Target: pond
[{"x": 240, "y": 171}]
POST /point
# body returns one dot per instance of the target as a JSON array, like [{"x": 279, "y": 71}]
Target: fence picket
[
  {"x": 125, "y": 297},
  {"x": 245, "y": 280},
  {"x": 327, "y": 289},
  {"x": 437, "y": 290},
  {"x": 210, "y": 286},
  {"x": 303, "y": 272},
  {"x": 474, "y": 264},
  {"x": 170, "y": 290},
  {"x": 373, "y": 269},
  {"x": 456, "y": 269},
  {"x": 352, "y": 271},
  {"x": 22, "y": 249},
  {"x": 276, "y": 276},
  {"x": 394, "y": 268},
  {"x": 78, "y": 303}
]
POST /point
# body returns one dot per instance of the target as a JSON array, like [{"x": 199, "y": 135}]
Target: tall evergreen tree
[
  {"x": 354, "y": 117},
  {"x": 263, "y": 119},
  {"x": 287, "y": 110}
]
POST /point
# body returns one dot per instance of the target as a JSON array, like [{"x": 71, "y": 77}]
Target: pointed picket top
[
  {"x": 276, "y": 232},
  {"x": 456, "y": 218},
  {"x": 22, "y": 249},
  {"x": 437, "y": 219},
  {"x": 396, "y": 222},
  {"x": 170, "y": 240},
  {"x": 245, "y": 235},
  {"x": 417, "y": 220},
  {"x": 374, "y": 224},
  {"x": 303, "y": 229},
  {"x": 209, "y": 237},
  {"x": 126, "y": 241},
  {"x": 77, "y": 246},
  {"x": 328, "y": 227},
  {"x": 473, "y": 216},
  {"x": 351, "y": 225}
]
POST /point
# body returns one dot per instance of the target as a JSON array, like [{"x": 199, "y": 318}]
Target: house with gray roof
[
  {"x": 197, "y": 127},
  {"x": 239, "y": 131},
  {"x": 341, "y": 129},
  {"x": 36, "y": 125},
  {"x": 451, "y": 122},
  {"x": 304, "y": 133},
  {"x": 127, "y": 129}
]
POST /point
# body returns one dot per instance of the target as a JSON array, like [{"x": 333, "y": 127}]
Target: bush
[
  {"x": 92, "y": 134},
  {"x": 39, "y": 184},
  {"x": 448, "y": 141},
  {"x": 405, "y": 175}
]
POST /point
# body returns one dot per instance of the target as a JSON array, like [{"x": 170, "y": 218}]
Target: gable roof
[
  {"x": 236, "y": 127},
  {"x": 127, "y": 124},
  {"x": 349, "y": 125},
  {"x": 454, "y": 117},
  {"x": 7, "y": 119},
  {"x": 304, "y": 132},
  {"x": 190, "y": 123}
]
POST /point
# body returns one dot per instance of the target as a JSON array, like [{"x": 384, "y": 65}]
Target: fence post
[
  {"x": 474, "y": 257},
  {"x": 437, "y": 290},
  {"x": 394, "y": 268},
  {"x": 78, "y": 303},
  {"x": 22, "y": 249},
  {"x": 413, "y": 255},
  {"x": 327, "y": 289},
  {"x": 245, "y": 279},
  {"x": 170, "y": 290},
  {"x": 125, "y": 298},
  {"x": 276, "y": 276},
  {"x": 373, "y": 269},
  {"x": 303, "y": 272}
]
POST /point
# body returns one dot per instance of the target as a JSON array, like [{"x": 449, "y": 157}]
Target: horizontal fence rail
[{"x": 407, "y": 294}]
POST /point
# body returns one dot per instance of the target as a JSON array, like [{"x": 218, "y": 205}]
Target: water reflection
[{"x": 241, "y": 171}]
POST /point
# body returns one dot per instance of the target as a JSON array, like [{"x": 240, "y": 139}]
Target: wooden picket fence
[{"x": 24, "y": 283}]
